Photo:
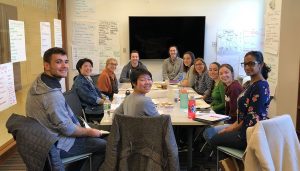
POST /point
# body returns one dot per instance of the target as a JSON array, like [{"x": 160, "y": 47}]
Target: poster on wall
[
  {"x": 7, "y": 87},
  {"x": 57, "y": 33},
  {"x": 109, "y": 43},
  {"x": 97, "y": 41},
  {"x": 272, "y": 39},
  {"x": 79, "y": 52},
  {"x": 84, "y": 43},
  {"x": 45, "y": 37},
  {"x": 272, "y": 26},
  {"x": 272, "y": 61},
  {"x": 17, "y": 40},
  {"x": 84, "y": 9}
]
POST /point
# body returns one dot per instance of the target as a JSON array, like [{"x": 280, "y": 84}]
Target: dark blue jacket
[{"x": 88, "y": 94}]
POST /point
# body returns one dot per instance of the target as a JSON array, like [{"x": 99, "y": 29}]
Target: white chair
[{"x": 273, "y": 145}]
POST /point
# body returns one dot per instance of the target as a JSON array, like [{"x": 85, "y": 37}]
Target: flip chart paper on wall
[
  {"x": 17, "y": 40},
  {"x": 84, "y": 42},
  {"x": 7, "y": 87},
  {"x": 79, "y": 52},
  {"x": 45, "y": 37},
  {"x": 96, "y": 41},
  {"x": 57, "y": 33},
  {"x": 84, "y": 9},
  {"x": 272, "y": 26},
  {"x": 109, "y": 43},
  {"x": 272, "y": 39}
]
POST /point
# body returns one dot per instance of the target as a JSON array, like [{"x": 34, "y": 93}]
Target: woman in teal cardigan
[{"x": 218, "y": 91}]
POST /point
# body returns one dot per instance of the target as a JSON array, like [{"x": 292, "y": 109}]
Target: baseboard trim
[{"x": 6, "y": 149}]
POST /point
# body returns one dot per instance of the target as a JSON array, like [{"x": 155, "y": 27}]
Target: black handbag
[{"x": 95, "y": 110}]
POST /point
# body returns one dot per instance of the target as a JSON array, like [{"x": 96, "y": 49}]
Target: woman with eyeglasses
[
  {"x": 253, "y": 104},
  {"x": 107, "y": 81},
  {"x": 202, "y": 82}
]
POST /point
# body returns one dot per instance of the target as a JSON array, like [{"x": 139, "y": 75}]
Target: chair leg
[
  {"x": 211, "y": 153},
  {"x": 202, "y": 148},
  {"x": 199, "y": 132},
  {"x": 217, "y": 160},
  {"x": 84, "y": 116},
  {"x": 90, "y": 158}
]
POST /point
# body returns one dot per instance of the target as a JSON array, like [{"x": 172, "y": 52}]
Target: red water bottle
[{"x": 191, "y": 108}]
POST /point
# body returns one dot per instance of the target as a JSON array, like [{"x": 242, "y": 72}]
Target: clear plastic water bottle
[
  {"x": 107, "y": 107},
  {"x": 191, "y": 107}
]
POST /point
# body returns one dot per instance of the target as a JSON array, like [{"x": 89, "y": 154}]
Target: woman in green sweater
[{"x": 218, "y": 91}]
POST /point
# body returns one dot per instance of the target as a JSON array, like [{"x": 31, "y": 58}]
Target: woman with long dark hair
[
  {"x": 218, "y": 92},
  {"x": 188, "y": 69}
]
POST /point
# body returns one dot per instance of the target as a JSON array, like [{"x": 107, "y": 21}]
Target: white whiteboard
[{"x": 233, "y": 44}]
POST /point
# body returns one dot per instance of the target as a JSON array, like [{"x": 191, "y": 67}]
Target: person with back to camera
[
  {"x": 232, "y": 90},
  {"x": 202, "y": 82},
  {"x": 218, "y": 92},
  {"x": 90, "y": 96},
  {"x": 133, "y": 64},
  {"x": 253, "y": 104},
  {"x": 188, "y": 69},
  {"x": 107, "y": 81},
  {"x": 46, "y": 103},
  {"x": 172, "y": 68},
  {"x": 137, "y": 104}
]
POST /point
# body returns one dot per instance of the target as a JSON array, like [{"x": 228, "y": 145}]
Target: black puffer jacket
[{"x": 33, "y": 140}]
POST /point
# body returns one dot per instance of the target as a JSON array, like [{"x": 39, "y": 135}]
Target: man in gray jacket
[
  {"x": 133, "y": 64},
  {"x": 172, "y": 68},
  {"x": 46, "y": 103}
]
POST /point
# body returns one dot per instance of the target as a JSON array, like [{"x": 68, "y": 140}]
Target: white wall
[
  {"x": 238, "y": 14},
  {"x": 286, "y": 96}
]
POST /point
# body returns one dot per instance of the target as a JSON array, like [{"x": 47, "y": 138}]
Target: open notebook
[{"x": 210, "y": 117}]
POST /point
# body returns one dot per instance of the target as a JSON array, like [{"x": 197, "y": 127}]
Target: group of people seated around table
[{"x": 216, "y": 83}]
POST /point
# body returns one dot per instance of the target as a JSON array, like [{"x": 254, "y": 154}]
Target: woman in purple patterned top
[{"x": 253, "y": 105}]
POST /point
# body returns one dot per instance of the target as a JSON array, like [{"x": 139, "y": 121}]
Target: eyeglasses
[
  {"x": 113, "y": 64},
  {"x": 199, "y": 64},
  {"x": 250, "y": 64}
]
